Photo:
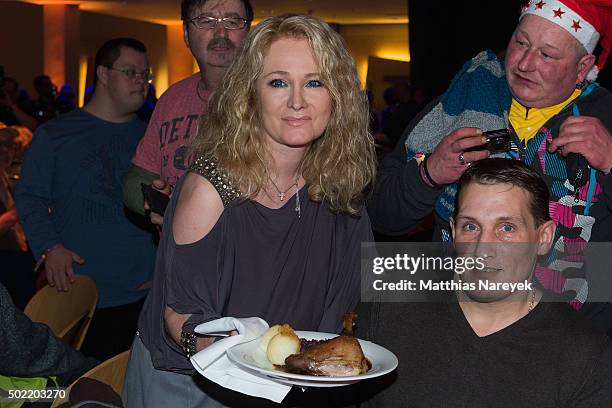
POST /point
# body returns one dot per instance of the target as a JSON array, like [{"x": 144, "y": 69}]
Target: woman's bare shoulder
[{"x": 197, "y": 211}]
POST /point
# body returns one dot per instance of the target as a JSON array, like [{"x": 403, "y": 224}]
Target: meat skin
[{"x": 337, "y": 357}]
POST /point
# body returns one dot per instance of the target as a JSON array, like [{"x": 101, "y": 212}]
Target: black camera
[
  {"x": 157, "y": 200},
  {"x": 498, "y": 141}
]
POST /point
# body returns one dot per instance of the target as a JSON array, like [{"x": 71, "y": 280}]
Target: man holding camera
[
  {"x": 560, "y": 123},
  {"x": 69, "y": 197}
]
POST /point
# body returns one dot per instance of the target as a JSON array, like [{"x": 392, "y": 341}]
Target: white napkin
[{"x": 212, "y": 362}]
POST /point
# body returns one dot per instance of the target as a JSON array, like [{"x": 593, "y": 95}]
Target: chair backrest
[
  {"x": 68, "y": 314},
  {"x": 111, "y": 372}
]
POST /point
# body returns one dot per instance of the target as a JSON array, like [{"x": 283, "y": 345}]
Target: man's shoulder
[
  {"x": 70, "y": 120},
  {"x": 599, "y": 93},
  {"x": 597, "y": 103},
  {"x": 180, "y": 99},
  {"x": 139, "y": 124},
  {"x": 576, "y": 329},
  {"x": 603, "y": 90},
  {"x": 178, "y": 89}
]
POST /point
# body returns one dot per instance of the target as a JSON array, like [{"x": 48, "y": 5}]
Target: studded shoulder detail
[{"x": 208, "y": 168}]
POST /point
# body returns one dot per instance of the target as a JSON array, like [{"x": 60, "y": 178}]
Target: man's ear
[
  {"x": 584, "y": 66},
  {"x": 546, "y": 237},
  {"x": 452, "y": 226},
  {"x": 186, "y": 34},
  {"x": 102, "y": 73}
]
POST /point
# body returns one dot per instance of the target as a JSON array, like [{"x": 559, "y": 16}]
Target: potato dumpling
[
  {"x": 267, "y": 336},
  {"x": 282, "y": 345}
]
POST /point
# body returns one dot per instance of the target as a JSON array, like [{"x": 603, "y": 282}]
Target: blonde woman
[{"x": 269, "y": 220}]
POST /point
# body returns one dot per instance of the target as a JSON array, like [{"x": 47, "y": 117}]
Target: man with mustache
[
  {"x": 213, "y": 29},
  {"x": 69, "y": 197},
  {"x": 560, "y": 123},
  {"x": 492, "y": 346}
]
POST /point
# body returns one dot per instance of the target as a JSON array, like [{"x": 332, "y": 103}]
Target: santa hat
[{"x": 588, "y": 21}]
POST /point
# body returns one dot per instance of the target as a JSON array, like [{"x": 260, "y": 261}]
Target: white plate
[{"x": 252, "y": 358}]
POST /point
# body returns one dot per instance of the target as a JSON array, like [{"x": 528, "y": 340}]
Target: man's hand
[
  {"x": 587, "y": 136},
  {"x": 58, "y": 266},
  {"x": 162, "y": 187},
  {"x": 444, "y": 165}
]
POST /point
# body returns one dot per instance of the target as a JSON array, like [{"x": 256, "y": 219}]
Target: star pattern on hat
[
  {"x": 526, "y": 6},
  {"x": 559, "y": 13},
  {"x": 540, "y": 5},
  {"x": 576, "y": 25}
]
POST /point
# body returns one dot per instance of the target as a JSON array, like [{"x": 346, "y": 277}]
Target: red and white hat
[{"x": 588, "y": 21}]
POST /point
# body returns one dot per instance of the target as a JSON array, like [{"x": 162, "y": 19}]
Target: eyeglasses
[
  {"x": 132, "y": 74},
  {"x": 208, "y": 23}
]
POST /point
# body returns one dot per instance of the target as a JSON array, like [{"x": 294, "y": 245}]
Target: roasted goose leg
[
  {"x": 340, "y": 356},
  {"x": 348, "y": 321}
]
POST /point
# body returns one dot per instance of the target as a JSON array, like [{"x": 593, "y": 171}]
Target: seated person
[
  {"x": 269, "y": 220},
  {"x": 31, "y": 349},
  {"x": 494, "y": 348}
]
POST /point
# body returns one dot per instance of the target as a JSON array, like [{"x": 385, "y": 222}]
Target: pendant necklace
[{"x": 282, "y": 194}]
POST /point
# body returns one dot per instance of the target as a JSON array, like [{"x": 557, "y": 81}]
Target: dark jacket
[{"x": 31, "y": 349}]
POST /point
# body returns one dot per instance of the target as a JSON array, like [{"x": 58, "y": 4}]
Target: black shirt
[{"x": 549, "y": 358}]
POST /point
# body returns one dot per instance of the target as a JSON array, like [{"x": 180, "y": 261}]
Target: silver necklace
[
  {"x": 531, "y": 302},
  {"x": 282, "y": 194},
  {"x": 533, "y": 294}
]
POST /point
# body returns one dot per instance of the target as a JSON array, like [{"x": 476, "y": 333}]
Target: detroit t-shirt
[{"x": 175, "y": 120}]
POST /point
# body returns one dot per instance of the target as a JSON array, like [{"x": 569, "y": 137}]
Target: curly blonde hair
[{"x": 339, "y": 165}]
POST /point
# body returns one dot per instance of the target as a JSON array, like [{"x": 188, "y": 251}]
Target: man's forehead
[
  {"x": 485, "y": 217},
  {"x": 501, "y": 201},
  {"x": 131, "y": 57},
  {"x": 544, "y": 30},
  {"x": 225, "y": 7}
]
